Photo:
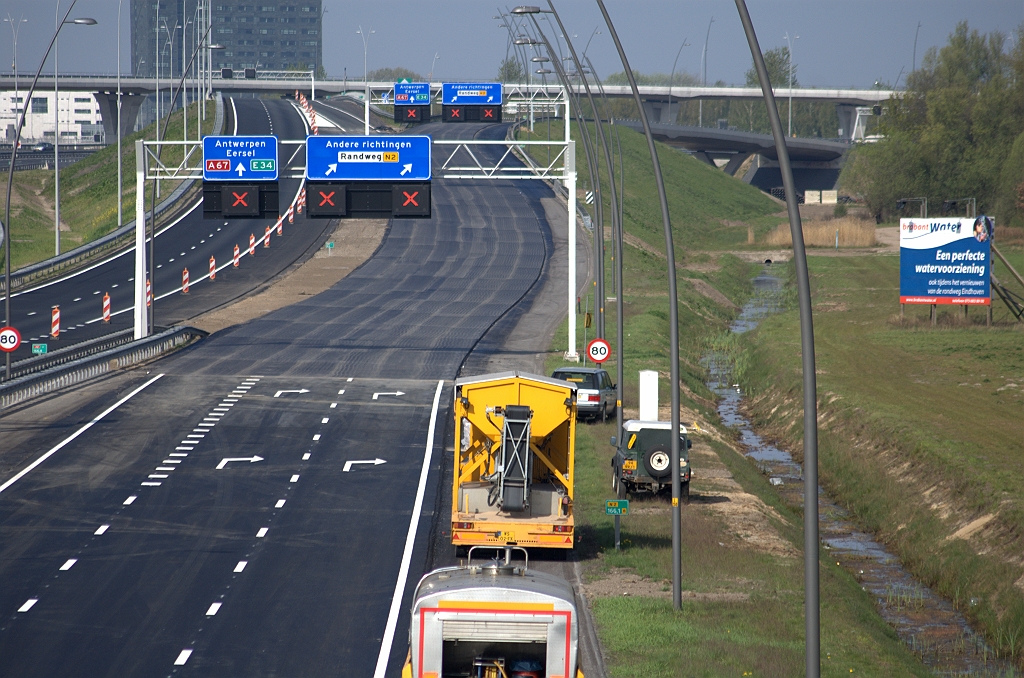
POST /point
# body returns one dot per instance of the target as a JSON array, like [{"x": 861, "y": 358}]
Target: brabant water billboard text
[{"x": 946, "y": 261}]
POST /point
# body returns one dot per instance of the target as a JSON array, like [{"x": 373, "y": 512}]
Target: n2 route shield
[
  {"x": 240, "y": 158},
  {"x": 368, "y": 158}
]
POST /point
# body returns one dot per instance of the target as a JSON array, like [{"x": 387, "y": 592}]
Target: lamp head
[
  {"x": 84, "y": 21},
  {"x": 526, "y": 9}
]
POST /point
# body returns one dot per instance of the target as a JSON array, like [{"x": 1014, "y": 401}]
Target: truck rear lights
[
  {"x": 463, "y": 526},
  {"x": 562, "y": 528},
  {"x": 592, "y": 398}
]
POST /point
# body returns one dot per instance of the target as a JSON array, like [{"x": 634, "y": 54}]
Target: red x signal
[
  {"x": 488, "y": 112},
  {"x": 410, "y": 113},
  {"x": 410, "y": 198},
  {"x": 327, "y": 198},
  {"x": 455, "y": 112},
  {"x": 240, "y": 199}
]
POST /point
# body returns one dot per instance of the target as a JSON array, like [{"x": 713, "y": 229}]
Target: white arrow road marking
[
  {"x": 301, "y": 390},
  {"x": 393, "y": 393},
  {"x": 375, "y": 462},
  {"x": 239, "y": 169},
  {"x": 405, "y": 169},
  {"x": 330, "y": 168},
  {"x": 225, "y": 460}
]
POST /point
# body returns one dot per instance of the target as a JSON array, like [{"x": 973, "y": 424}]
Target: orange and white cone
[
  {"x": 252, "y": 244},
  {"x": 149, "y": 293},
  {"x": 106, "y": 308},
  {"x": 291, "y": 215},
  {"x": 280, "y": 225},
  {"x": 213, "y": 269},
  {"x": 55, "y": 323},
  {"x": 184, "y": 281},
  {"x": 266, "y": 238},
  {"x": 234, "y": 258}
]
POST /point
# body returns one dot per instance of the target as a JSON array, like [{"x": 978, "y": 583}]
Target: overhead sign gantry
[
  {"x": 471, "y": 102},
  {"x": 240, "y": 175}
]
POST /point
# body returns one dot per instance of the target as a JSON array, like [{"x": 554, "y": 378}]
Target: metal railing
[{"x": 38, "y": 363}]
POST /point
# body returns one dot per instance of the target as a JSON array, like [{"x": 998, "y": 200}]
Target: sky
[{"x": 852, "y": 43}]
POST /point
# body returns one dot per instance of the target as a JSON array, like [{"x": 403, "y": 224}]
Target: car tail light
[
  {"x": 562, "y": 528},
  {"x": 463, "y": 526},
  {"x": 593, "y": 398}
]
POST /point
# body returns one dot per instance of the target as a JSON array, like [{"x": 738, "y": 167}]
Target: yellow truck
[{"x": 515, "y": 437}]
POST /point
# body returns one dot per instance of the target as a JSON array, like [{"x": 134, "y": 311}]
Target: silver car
[{"x": 595, "y": 392}]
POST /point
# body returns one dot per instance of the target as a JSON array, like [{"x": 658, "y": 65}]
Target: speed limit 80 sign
[
  {"x": 10, "y": 339},
  {"x": 599, "y": 350}
]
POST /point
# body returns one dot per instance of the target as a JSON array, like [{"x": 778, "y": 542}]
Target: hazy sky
[{"x": 841, "y": 44}]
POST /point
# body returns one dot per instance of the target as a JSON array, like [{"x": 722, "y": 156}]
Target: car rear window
[{"x": 581, "y": 379}]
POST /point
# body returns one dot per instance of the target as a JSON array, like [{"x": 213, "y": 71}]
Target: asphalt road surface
[{"x": 213, "y": 563}]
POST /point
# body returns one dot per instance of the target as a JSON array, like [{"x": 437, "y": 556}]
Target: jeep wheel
[
  {"x": 620, "y": 490},
  {"x": 685, "y": 492},
  {"x": 657, "y": 461}
]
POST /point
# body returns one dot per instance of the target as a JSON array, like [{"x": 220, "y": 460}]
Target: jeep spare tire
[{"x": 658, "y": 461}]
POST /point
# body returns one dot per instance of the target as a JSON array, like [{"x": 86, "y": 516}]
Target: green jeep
[{"x": 642, "y": 459}]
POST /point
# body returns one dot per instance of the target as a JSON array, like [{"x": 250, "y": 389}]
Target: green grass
[
  {"x": 922, "y": 430},
  {"x": 88, "y": 195}
]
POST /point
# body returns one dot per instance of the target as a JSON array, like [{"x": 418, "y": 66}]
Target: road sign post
[
  {"x": 598, "y": 350},
  {"x": 617, "y": 508}
]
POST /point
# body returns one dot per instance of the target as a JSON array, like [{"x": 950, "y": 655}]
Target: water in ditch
[{"x": 930, "y": 625}]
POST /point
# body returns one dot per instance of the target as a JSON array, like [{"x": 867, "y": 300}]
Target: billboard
[{"x": 946, "y": 261}]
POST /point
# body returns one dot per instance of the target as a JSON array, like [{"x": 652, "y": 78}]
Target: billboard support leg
[{"x": 141, "y": 315}]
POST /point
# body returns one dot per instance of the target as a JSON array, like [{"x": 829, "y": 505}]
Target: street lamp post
[
  {"x": 704, "y": 72},
  {"x": 366, "y": 83},
  {"x": 790, "y": 44},
  {"x": 430, "y": 78},
  {"x": 15, "y": 28},
  {"x": 119, "y": 193},
  {"x": 56, "y": 124},
  {"x": 672, "y": 78}
]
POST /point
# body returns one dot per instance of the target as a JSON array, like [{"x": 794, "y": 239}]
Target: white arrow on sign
[
  {"x": 375, "y": 462},
  {"x": 225, "y": 460},
  {"x": 406, "y": 169},
  {"x": 240, "y": 169},
  {"x": 394, "y": 393},
  {"x": 331, "y": 168},
  {"x": 301, "y": 390}
]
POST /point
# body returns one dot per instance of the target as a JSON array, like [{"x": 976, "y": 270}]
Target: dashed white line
[
  {"x": 295, "y": 478},
  {"x": 213, "y": 609},
  {"x": 280, "y": 503},
  {"x": 316, "y": 436},
  {"x": 349, "y": 379},
  {"x": 101, "y": 529},
  {"x": 341, "y": 392},
  {"x": 305, "y": 457},
  {"x": 28, "y": 605},
  {"x": 241, "y": 565},
  {"x": 68, "y": 564},
  {"x": 183, "y": 656},
  {"x": 334, "y": 405},
  {"x": 167, "y": 468},
  {"x": 262, "y": 532},
  {"x": 324, "y": 420},
  {"x": 130, "y": 500},
  {"x": 171, "y": 461},
  {"x": 159, "y": 476},
  {"x": 150, "y": 483},
  {"x": 200, "y": 430},
  {"x": 231, "y": 400},
  {"x": 185, "y": 448}
]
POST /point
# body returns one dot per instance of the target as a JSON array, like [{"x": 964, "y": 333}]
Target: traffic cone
[
  {"x": 55, "y": 323},
  {"x": 106, "y": 308},
  {"x": 184, "y": 281},
  {"x": 252, "y": 244},
  {"x": 266, "y": 238},
  {"x": 149, "y": 293},
  {"x": 234, "y": 258},
  {"x": 213, "y": 269}
]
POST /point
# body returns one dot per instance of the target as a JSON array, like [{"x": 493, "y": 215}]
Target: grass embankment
[
  {"x": 743, "y": 604},
  {"x": 88, "y": 189},
  {"x": 921, "y": 429}
]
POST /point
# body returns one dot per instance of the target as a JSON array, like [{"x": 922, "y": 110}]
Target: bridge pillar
[
  {"x": 847, "y": 114},
  {"x": 130, "y": 104},
  {"x": 661, "y": 112}
]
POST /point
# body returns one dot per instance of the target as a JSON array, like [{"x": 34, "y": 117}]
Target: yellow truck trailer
[{"x": 515, "y": 437}]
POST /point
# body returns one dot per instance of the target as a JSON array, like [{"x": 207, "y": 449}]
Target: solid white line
[
  {"x": 262, "y": 532},
  {"x": 69, "y": 564},
  {"x": 74, "y": 435},
  {"x": 28, "y": 605},
  {"x": 183, "y": 657},
  {"x": 213, "y": 609},
  {"x": 241, "y": 565},
  {"x": 410, "y": 540},
  {"x": 101, "y": 529},
  {"x": 130, "y": 500},
  {"x": 280, "y": 503},
  {"x": 294, "y": 479}
]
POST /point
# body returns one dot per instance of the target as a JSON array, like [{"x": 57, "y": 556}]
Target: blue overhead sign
[
  {"x": 412, "y": 93},
  {"x": 472, "y": 93},
  {"x": 240, "y": 158},
  {"x": 368, "y": 158}
]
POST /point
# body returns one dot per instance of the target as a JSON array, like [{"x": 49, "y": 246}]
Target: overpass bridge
[{"x": 660, "y": 102}]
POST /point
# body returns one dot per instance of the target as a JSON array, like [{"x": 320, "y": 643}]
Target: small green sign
[
  {"x": 616, "y": 507},
  {"x": 38, "y": 349},
  {"x": 264, "y": 165},
  {"x": 404, "y": 80},
  {"x": 330, "y": 244}
]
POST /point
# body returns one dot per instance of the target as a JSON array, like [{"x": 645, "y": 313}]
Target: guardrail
[
  {"x": 61, "y": 376},
  {"x": 38, "y": 363},
  {"x": 110, "y": 241}
]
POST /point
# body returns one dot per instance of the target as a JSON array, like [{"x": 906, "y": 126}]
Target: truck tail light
[
  {"x": 562, "y": 528},
  {"x": 463, "y": 526}
]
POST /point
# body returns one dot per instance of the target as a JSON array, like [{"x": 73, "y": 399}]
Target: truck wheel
[
  {"x": 620, "y": 490},
  {"x": 657, "y": 461}
]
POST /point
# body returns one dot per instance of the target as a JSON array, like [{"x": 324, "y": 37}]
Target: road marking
[
  {"x": 150, "y": 484},
  {"x": 410, "y": 539},
  {"x": 166, "y": 468},
  {"x": 231, "y": 400},
  {"x": 56, "y": 448},
  {"x": 68, "y": 564},
  {"x": 316, "y": 436},
  {"x": 300, "y": 390},
  {"x": 242, "y": 388},
  {"x": 349, "y": 379},
  {"x": 171, "y": 461},
  {"x": 213, "y": 421},
  {"x": 224, "y": 462},
  {"x": 324, "y": 420},
  {"x": 280, "y": 503},
  {"x": 221, "y": 409},
  {"x": 101, "y": 529},
  {"x": 295, "y": 478},
  {"x": 375, "y": 462},
  {"x": 200, "y": 430},
  {"x": 262, "y": 532},
  {"x": 180, "y": 454},
  {"x": 305, "y": 457},
  {"x": 196, "y": 435},
  {"x": 28, "y": 605},
  {"x": 213, "y": 609},
  {"x": 241, "y": 565},
  {"x": 161, "y": 476},
  {"x": 183, "y": 656},
  {"x": 334, "y": 405},
  {"x": 341, "y": 392},
  {"x": 393, "y": 393},
  {"x": 130, "y": 500},
  {"x": 185, "y": 447}
]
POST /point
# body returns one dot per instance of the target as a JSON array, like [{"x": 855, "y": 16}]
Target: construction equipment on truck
[
  {"x": 493, "y": 620},
  {"x": 514, "y": 461}
]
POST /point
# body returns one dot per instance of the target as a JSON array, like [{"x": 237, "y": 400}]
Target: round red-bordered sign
[
  {"x": 599, "y": 350},
  {"x": 10, "y": 339}
]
